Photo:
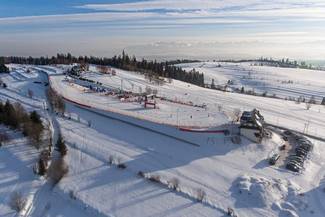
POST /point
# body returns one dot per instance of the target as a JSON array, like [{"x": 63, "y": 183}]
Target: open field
[{"x": 281, "y": 82}]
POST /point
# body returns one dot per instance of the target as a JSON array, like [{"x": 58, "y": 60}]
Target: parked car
[
  {"x": 287, "y": 132},
  {"x": 302, "y": 149},
  {"x": 297, "y": 136},
  {"x": 274, "y": 159},
  {"x": 296, "y": 162},
  {"x": 306, "y": 142},
  {"x": 285, "y": 138},
  {"x": 293, "y": 167},
  {"x": 301, "y": 154},
  {"x": 296, "y": 157},
  {"x": 307, "y": 146},
  {"x": 301, "y": 139}
]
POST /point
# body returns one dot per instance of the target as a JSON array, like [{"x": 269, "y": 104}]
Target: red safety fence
[
  {"x": 187, "y": 128},
  {"x": 203, "y": 130}
]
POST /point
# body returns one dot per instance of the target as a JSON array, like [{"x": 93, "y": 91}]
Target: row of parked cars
[{"x": 302, "y": 150}]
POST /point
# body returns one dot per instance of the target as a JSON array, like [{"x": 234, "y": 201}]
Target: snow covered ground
[
  {"x": 90, "y": 148},
  {"x": 17, "y": 159},
  {"x": 167, "y": 112},
  {"x": 283, "y": 82},
  {"x": 276, "y": 111},
  {"x": 232, "y": 175}
]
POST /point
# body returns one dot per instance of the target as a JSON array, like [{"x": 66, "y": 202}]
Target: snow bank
[{"x": 279, "y": 195}]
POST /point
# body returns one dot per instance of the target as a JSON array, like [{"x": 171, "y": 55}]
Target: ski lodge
[{"x": 252, "y": 125}]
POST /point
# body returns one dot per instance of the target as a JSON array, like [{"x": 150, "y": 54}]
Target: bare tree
[
  {"x": 111, "y": 159},
  {"x": 312, "y": 100},
  {"x": 220, "y": 108},
  {"x": 34, "y": 133},
  {"x": 103, "y": 69},
  {"x": 174, "y": 184},
  {"x": 60, "y": 105},
  {"x": 21, "y": 113},
  {"x": 56, "y": 101},
  {"x": 30, "y": 93},
  {"x": 17, "y": 201},
  {"x": 200, "y": 195},
  {"x": 3, "y": 138},
  {"x": 57, "y": 170},
  {"x": 236, "y": 114},
  {"x": 84, "y": 66},
  {"x": 148, "y": 90}
]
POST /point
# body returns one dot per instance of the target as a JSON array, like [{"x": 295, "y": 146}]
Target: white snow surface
[
  {"x": 283, "y": 82},
  {"x": 232, "y": 175},
  {"x": 176, "y": 114},
  {"x": 276, "y": 111}
]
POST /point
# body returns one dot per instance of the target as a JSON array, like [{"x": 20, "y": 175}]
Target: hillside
[{"x": 286, "y": 83}]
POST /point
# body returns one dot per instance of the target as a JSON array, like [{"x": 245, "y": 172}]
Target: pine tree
[
  {"x": 41, "y": 167},
  {"x": 124, "y": 61},
  {"x": 212, "y": 84},
  {"x": 61, "y": 146},
  {"x": 10, "y": 118},
  {"x": 3, "y": 67},
  {"x": 34, "y": 116}
]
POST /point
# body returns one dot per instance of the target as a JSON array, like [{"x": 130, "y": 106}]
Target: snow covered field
[
  {"x": 210, "y": 167},
  {"x": 171, "y": 113},
  {"x": 16, "y": 162},
  {"x": 283, "y": 82},
  {"x": 231, "y": 175},
  {"x": 167, "y": 112},
  {"x": 276, "y": 111}
]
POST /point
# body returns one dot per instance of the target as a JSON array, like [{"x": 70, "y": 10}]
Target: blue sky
[
  {"x": 13, "y": 8},
  {"x": 164, "y": 28}
]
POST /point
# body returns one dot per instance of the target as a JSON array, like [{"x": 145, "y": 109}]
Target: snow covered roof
[{"x": 252, "y": 119}]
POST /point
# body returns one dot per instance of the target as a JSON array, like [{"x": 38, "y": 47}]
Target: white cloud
[
  {"x": 181, "y": 27},
  {"x": 142, "y": 19},
  {"x": 227, "y": 8},
  {"x": 166, "y": 4},
  {"x": 189, "y": 12},
  {"x": 88, "y": 17}
]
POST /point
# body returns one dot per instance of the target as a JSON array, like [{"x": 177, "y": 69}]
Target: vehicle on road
[{"x": 274, "y": 159}]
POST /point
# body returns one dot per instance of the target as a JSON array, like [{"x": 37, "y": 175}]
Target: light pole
[
  {"x": 121, "y": 85},
  {"x": 177, "y": 117}
]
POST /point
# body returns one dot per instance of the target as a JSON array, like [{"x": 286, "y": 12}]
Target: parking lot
[{"x": 295, "y": 152}]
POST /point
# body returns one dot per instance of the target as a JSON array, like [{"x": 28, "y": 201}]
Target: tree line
[
  {"x": 124, "y": 61},
  {"x": 3, "y": 68},
  {"x": 283, "y": 63},
  {"x": 16, "y": 117}
]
